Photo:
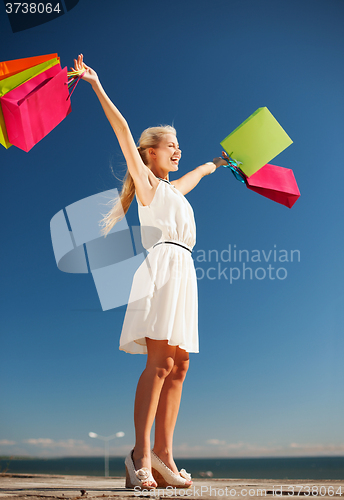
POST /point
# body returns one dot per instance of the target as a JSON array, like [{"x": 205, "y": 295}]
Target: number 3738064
[{"x": 32, "y": 8}]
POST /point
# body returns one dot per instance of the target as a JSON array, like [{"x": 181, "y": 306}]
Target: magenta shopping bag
[
  {"x": 37, "y": 106},
  {"x": 276, "y": 183}
]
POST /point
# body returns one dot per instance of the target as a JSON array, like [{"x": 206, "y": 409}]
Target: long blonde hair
[{"x": 150, "y": 138}]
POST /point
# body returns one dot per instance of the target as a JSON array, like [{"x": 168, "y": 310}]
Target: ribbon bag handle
[
  {"x": 235, "y": 169},
  {"x": 74, "y": 77}
]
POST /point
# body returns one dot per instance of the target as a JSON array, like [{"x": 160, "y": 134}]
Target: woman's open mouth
[{"x": 175, "y": 160}]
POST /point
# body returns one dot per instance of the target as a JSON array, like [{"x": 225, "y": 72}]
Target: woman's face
[{"x": 167, "y": 155}]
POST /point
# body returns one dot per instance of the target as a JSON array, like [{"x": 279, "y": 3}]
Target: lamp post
[{"x": 106, "y": 442}]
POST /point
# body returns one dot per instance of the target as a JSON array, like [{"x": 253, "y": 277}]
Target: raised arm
[
  {"x": 190, "y": 180},
  {"x": 138, "y": 170}
]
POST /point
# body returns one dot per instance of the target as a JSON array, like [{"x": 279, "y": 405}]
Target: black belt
[{"x": 172, "y": 243}]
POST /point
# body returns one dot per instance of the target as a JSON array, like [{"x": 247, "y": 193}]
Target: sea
[{"x": 316, "y": 468}]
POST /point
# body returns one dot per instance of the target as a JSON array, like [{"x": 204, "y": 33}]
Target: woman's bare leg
[
  {"x": 160, "y": 363},
  {"x": 168, "y": 407}
]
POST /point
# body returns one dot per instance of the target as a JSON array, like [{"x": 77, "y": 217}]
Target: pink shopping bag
[
  {"x": 276, "y": 183},
  {"x": 37, "y": 106}
]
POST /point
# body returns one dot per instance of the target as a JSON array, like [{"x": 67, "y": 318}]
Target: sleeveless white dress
[{"x": 163, "y": 302}]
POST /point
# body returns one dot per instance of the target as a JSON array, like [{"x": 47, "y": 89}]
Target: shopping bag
[
  {"x": 256, "y": 141},
  {"x": 11, "y": 82},
  {"x": 9, "y": 68},
  {"x": 276, "y": 183},
  {"x": 37, "y": 106}
]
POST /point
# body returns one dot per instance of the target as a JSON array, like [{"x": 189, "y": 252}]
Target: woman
[{"x": 161, "y": 317}]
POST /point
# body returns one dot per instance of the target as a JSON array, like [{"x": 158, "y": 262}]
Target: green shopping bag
[
  {"x": 256, "y": 141},
  {"x": 13, "y": 82}
]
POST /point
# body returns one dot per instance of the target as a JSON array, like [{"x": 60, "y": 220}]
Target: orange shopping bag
[{"x": 9, "y": 68}]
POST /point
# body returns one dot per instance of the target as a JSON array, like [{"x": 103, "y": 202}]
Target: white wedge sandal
[
  {"x": 137, "y": 478},
  {"x": 165, "y": 477}
]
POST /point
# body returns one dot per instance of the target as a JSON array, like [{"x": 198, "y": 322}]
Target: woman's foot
[
  {"x": 141, "y": 461},
  {"x": 137, "y": 476},
  {"x": 165, "y": 476},
  {"x": 167, "y": 458}
]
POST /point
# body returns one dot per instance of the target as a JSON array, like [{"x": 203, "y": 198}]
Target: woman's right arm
[{"x": 138, "y": 170}]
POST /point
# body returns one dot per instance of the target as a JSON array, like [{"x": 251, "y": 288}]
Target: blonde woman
[{"x": 164, "y": 322}]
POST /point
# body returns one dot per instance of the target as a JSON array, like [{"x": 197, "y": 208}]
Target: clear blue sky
[{"x": 268, "y": 380}]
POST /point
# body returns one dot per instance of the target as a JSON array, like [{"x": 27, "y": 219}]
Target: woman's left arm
[{"x": 190, "y": 180}]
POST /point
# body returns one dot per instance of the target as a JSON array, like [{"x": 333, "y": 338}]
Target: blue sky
[{"x": 268, "y": 380}]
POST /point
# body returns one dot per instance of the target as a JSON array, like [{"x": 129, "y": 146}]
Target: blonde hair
[{"x": 150, "y": 138}]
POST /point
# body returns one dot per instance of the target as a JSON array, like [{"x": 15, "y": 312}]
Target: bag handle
[
  {"x": 74, "y": 77},
  {"x": 235, "y": 169}
]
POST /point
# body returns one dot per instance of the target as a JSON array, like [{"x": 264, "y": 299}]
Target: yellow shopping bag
[{"x": 256, "y": 141}]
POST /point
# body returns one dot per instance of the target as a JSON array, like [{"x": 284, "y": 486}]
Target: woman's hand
[
  {"x": 90, "y": 75},
  {"x": 221, "y": 161}
]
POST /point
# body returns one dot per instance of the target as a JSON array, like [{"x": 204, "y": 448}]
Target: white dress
[{"x": 163, "y": 303}]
